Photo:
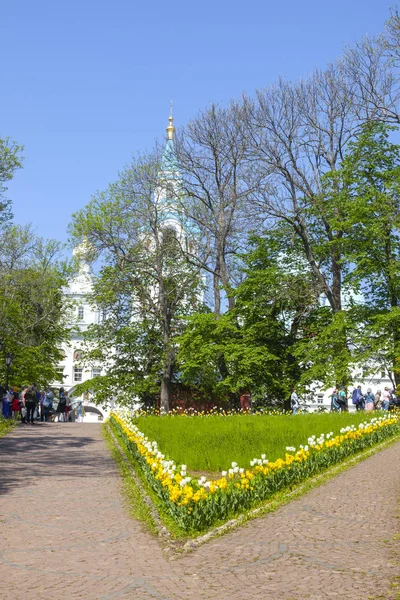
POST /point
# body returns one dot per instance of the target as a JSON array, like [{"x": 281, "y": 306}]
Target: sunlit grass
[
  {"x": 6, "y": 425},
  {"x": 212, "y": 443}
]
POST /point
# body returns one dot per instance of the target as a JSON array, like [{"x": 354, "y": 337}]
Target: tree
[
  {"x": 365, "y": 193},
  {"x": 370, "y": 179},
  {"x": 145, "y": 283},
  {"x": 251, "y": 346},
  {"x": 10, "y": 161},
  {"x": 216, "y": 181},
  {"x": 32, "y": 312},
  {"x": 296, "y": 134}
]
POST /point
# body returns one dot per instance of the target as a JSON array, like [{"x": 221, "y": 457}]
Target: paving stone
[{"x": 65, "y": 533}]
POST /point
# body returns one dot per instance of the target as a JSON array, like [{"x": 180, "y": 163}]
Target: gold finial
[{"x": 170, "y": 128}]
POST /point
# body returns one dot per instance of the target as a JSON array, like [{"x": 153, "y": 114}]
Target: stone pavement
[{"x": 65, "y": 533}]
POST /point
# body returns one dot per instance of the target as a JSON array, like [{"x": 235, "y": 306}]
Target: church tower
[{"x": 169, "y": 192}]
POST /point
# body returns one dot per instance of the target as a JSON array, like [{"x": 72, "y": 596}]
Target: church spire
[{"x": 170, "y": 128}]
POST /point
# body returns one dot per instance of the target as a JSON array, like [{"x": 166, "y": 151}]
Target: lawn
[{"x": 211, "y": 443}]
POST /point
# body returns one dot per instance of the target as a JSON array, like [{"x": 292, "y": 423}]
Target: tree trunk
[
  {"x": 336, "y": 282},
  {"x": 396, "y": 345},
  {"x": 216, "y": 288},
  {"x": 226, "y": 284},
  {"x": 165, "y": 394}
]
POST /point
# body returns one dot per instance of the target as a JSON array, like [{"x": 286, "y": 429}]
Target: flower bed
[{"x": 195, "y": 504}]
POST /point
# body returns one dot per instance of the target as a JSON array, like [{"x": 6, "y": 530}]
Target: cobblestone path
[{"x": 65, "y": 533}]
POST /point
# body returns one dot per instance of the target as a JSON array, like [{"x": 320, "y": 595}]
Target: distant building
[{"x": 82, "y": 315}]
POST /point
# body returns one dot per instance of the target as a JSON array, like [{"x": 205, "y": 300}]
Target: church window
[
  {"x": 60, "y": 373},
  {"x": 78, "y": 371}
]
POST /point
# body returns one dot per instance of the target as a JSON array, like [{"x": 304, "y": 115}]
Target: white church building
[{"x": 70, "y": 370}]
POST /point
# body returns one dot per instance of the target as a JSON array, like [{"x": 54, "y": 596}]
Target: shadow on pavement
[{"x": 48, "y": 450}]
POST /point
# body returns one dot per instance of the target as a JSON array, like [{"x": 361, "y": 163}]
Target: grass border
[
  {"x": 163, "y": 524},
  {"x": 132, "y": 491},
  {"x": 180, "y": 541},
  {"x": 10, "y": 424}
]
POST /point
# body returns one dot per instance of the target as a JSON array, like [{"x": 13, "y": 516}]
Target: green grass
[
  {"x": 212, "y": 443},
  {"x": 6, "y": 425}
]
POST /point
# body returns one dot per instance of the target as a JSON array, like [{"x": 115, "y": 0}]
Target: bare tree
[
  {"x": 297, "y": 133},
  {"x": 374, "y": 76},
  {"x": 216, "y": 185}
]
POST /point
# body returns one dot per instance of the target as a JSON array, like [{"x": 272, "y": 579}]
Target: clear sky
[{"x": 85, "y": 84}]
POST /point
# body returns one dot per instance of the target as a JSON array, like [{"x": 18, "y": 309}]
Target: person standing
[
  {"x": 42, "y": 407},
  {"x": 67, "y": 406},
  {"x": 22, "y": 403},
  {"x": 48, "y": 404},
  {"x": 15, "y": 404},
  {"x": 294, "y": 402},
  {"x": 30, "y": 403},
  {"x": 358, "y": 398},
  {"x": 62, "y": 403},
  {"x": 80, "y": 412},
  {"x": 335, "y": 404},
  {"x": 7, "y": 399},
  {"x": 386, "y": 399},
  {"x": 343, "y": 399},
  {"x": 369, "y": 400},
  {"x": 378, "y": 400}
]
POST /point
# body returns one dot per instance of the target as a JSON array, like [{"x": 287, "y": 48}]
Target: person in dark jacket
[
  {"x": 358, "y": 398},
  {"x": 30, "y": 403},
  {"x": 62, "y": 405}
]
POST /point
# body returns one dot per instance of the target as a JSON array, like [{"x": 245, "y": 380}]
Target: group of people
[
  {"x": 368, "y": 401},
  {"x": 30, "y": 404}
]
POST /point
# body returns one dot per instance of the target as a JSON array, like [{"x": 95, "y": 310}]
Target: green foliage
[
  {"x": 370, "y": 181},
  {"x": 251, "y": 347},
  {"x": 319, "y": 291},
  {"x": 32, "y": 312},
  {"x": 324, "y": 351},
  {"x": 361, "y": 203}
]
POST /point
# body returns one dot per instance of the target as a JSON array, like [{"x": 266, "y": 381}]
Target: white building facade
[{"x": 82, "y": 315}]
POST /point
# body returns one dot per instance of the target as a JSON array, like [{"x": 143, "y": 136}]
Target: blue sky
[{"x": 84, "y": 85}]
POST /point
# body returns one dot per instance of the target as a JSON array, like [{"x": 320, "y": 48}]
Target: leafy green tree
[
  {"x": 370, "y": 177},
  {"x": 144, "y": 284},
  {"x": 32, "y": 311},
  {"x": 362, "y": 201},
  {"x": 251, "y": 347}
]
